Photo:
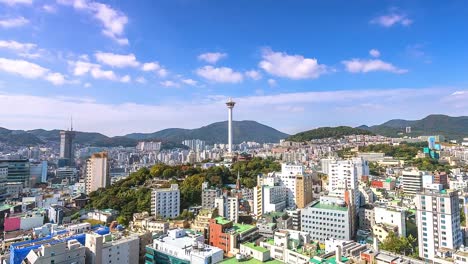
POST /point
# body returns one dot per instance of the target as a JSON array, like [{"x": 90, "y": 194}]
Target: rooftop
[
  {"x": 221, "y": 220},
  {"x": 329, "y": 207},
  {"x": 255, "y": 247},
  {"x": 250, "y": 261},
  {"x": 331, "y": 260},
  {"x": 240, "y": 228}
]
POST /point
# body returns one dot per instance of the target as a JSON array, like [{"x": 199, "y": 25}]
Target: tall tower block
[{"x": 230, "y": 105}]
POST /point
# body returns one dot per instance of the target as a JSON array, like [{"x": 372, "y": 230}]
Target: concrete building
[
  {"x": 3, "y": 181},
  {"x": 209, "y": 195},
  {"x": 228, "y": 236},
  {"x": 37, "y": 172},
  {"x": 181, "y": 246},
  {"x": 328, "y": 218},
  {"x": 228, "y": 207},
  {"x": 288, "y": 246},
  {"x": 112, "y": 248},
  {"x": 97, "y": 172},
  {"x": 438, "y": 216},
  {"x": 18, "y": 171},
  {"x": 342, "y": 175},
  {"x": 62, "y": 252},
  {"x": 149, "y": 146},
  {"x": 412, "y": 181},
  {"x": 391, "y": 216},
  {"x": 366, "y": 217},
  {"x": 166, "y": 202},
  {"x": 67, "y": 153},
  {"x": 269, "y": 196},
  {"x": 144, "y": 222}
]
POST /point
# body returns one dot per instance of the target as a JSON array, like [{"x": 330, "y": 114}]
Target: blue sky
[{"x": 127, "y": 66}]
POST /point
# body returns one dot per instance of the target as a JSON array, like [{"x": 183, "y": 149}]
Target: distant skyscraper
[
  {"x": 66, "y": 146},
  {"x": 408, "y": 130},
  {"x": 230, "y": 105}
]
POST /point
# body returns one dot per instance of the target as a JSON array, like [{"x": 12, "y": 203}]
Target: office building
[
  {"x": 412, "y": 181},
  {"x": 182, "y": 246},
  {"x": 166, "y": 202},
  {"x": 330, "y": 217},
  {"x": 38, "y": 172},
  {"x": 67, "y": 153},
  {"x": 438, "y": 218},
  {"x": 269, "y": 196},
  {"x": 97, "y": 172},
  {"x": 3, "y": 182},
  {"x": 18, "y": 171},
  {"x": 70, "y": 251},
  {"x": 112, "y": 248}
]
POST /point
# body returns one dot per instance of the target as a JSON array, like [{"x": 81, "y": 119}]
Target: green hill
[
  {"x": 327, "y": 132},
  {"x": 450, "y": 127},
  {"x": 217, "y": 133}
]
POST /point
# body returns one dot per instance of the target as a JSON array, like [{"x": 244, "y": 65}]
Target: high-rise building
[
  {"x": 195, "y": 144},
  {"x": 3, "y": 181},
  {"x": 38, "y": 172},
  {"x": 166, "y": 202},
  {"x": 97, "y": 172},
  {"x": 149, "y": 146},
  {"x": 269, "y": 197},
  {"x": 209, "y": 195},
  {"x": 228, "y": 207},
  {"x": 18, "y": 171},
  {"x": 67, "y": 153},
  {"x": 438, "y": 218},
  {"x": 342, "y": 175}
]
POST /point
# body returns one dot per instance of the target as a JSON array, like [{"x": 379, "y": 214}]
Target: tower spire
[
  {"x": 238, "y": 180},
  {"x": 71, "y": 123}
]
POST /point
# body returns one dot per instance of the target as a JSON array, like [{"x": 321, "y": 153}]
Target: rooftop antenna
[{"x": 71, "y": 123}]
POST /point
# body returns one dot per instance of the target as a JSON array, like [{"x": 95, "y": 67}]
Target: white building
[
  {"x": 438, "y": 217},
  {"x": 166, "y": 202},
  {"x": 228, "y": 207},
  {"x": 112, "y": 248},
  {"x": 186, "y": 247},
  {"x": 285, "y": 244},
  {"x": 412, "y": 181},
  {"x": 343, "y": 174},
  {"x": 391, "y": 216},
  {"x": 269, "y": 196},
  {"x": 148, "y": 146},
  {"x": 97, "y": 172},
  {"x": 327, "y": 218},
  {"x": 70, "y": 251}
]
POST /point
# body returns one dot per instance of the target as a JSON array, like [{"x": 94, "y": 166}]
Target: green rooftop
[
  {"x": 250, "y": 261},
  {"x": 331, "y": 260},
  {"x": 255, "y": 247},
  {"x": 221, "y": 220},
  {"x": 242, "y": 228},
  {"x": 329, "y": 207}
]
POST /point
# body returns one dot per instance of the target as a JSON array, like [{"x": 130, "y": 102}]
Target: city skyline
[{"x": 152, "y": 66}]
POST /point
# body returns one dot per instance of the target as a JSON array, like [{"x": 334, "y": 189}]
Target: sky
[{"x": 125, "y": 66}]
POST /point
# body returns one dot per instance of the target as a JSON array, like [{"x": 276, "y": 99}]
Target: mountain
[
  {"x": 450, "y": 127},
  {"x": 217, "y": 133},
  {"x": 171, "y": 138},
  {"x": 326, "y": 132}
]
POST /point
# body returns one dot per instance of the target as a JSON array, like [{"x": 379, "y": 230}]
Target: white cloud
[
  {"x": 117, "y": 60},
  {"x": 364, "y": 66},
  {"x": 113, "y": 21},
  {"x": 16, "y": 2},
  {"x": 87, "y": 85},
  {"x": 190, "y": 82},
  {"x": 253, "y": 74},
  {"x": 126, "y": 79},
  {"x": 291, "y": 66},
  {"x": 13, "y": 22},
  {"x": 49, "y": 8},
  {"x": 151, "y": 66},
  {"x": 272, "y": 83},
  {"x": 55, "y": 78},
  {"x": 81, "y": 68},
  {"x": 212, "y": 57},
  {"x": 140, "y": 80},
  {"x": 169, "y": 84},
  {"x": 97, "y": 73},
  {"x": 392, "y": 19},
  {"x": 374, "y": 53},
  {"x": 162, "y": 73},
  {"x": 221, "y": 75},
  {"x": 30, "y": 70},
  {"x": 26, "y": 50}
]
